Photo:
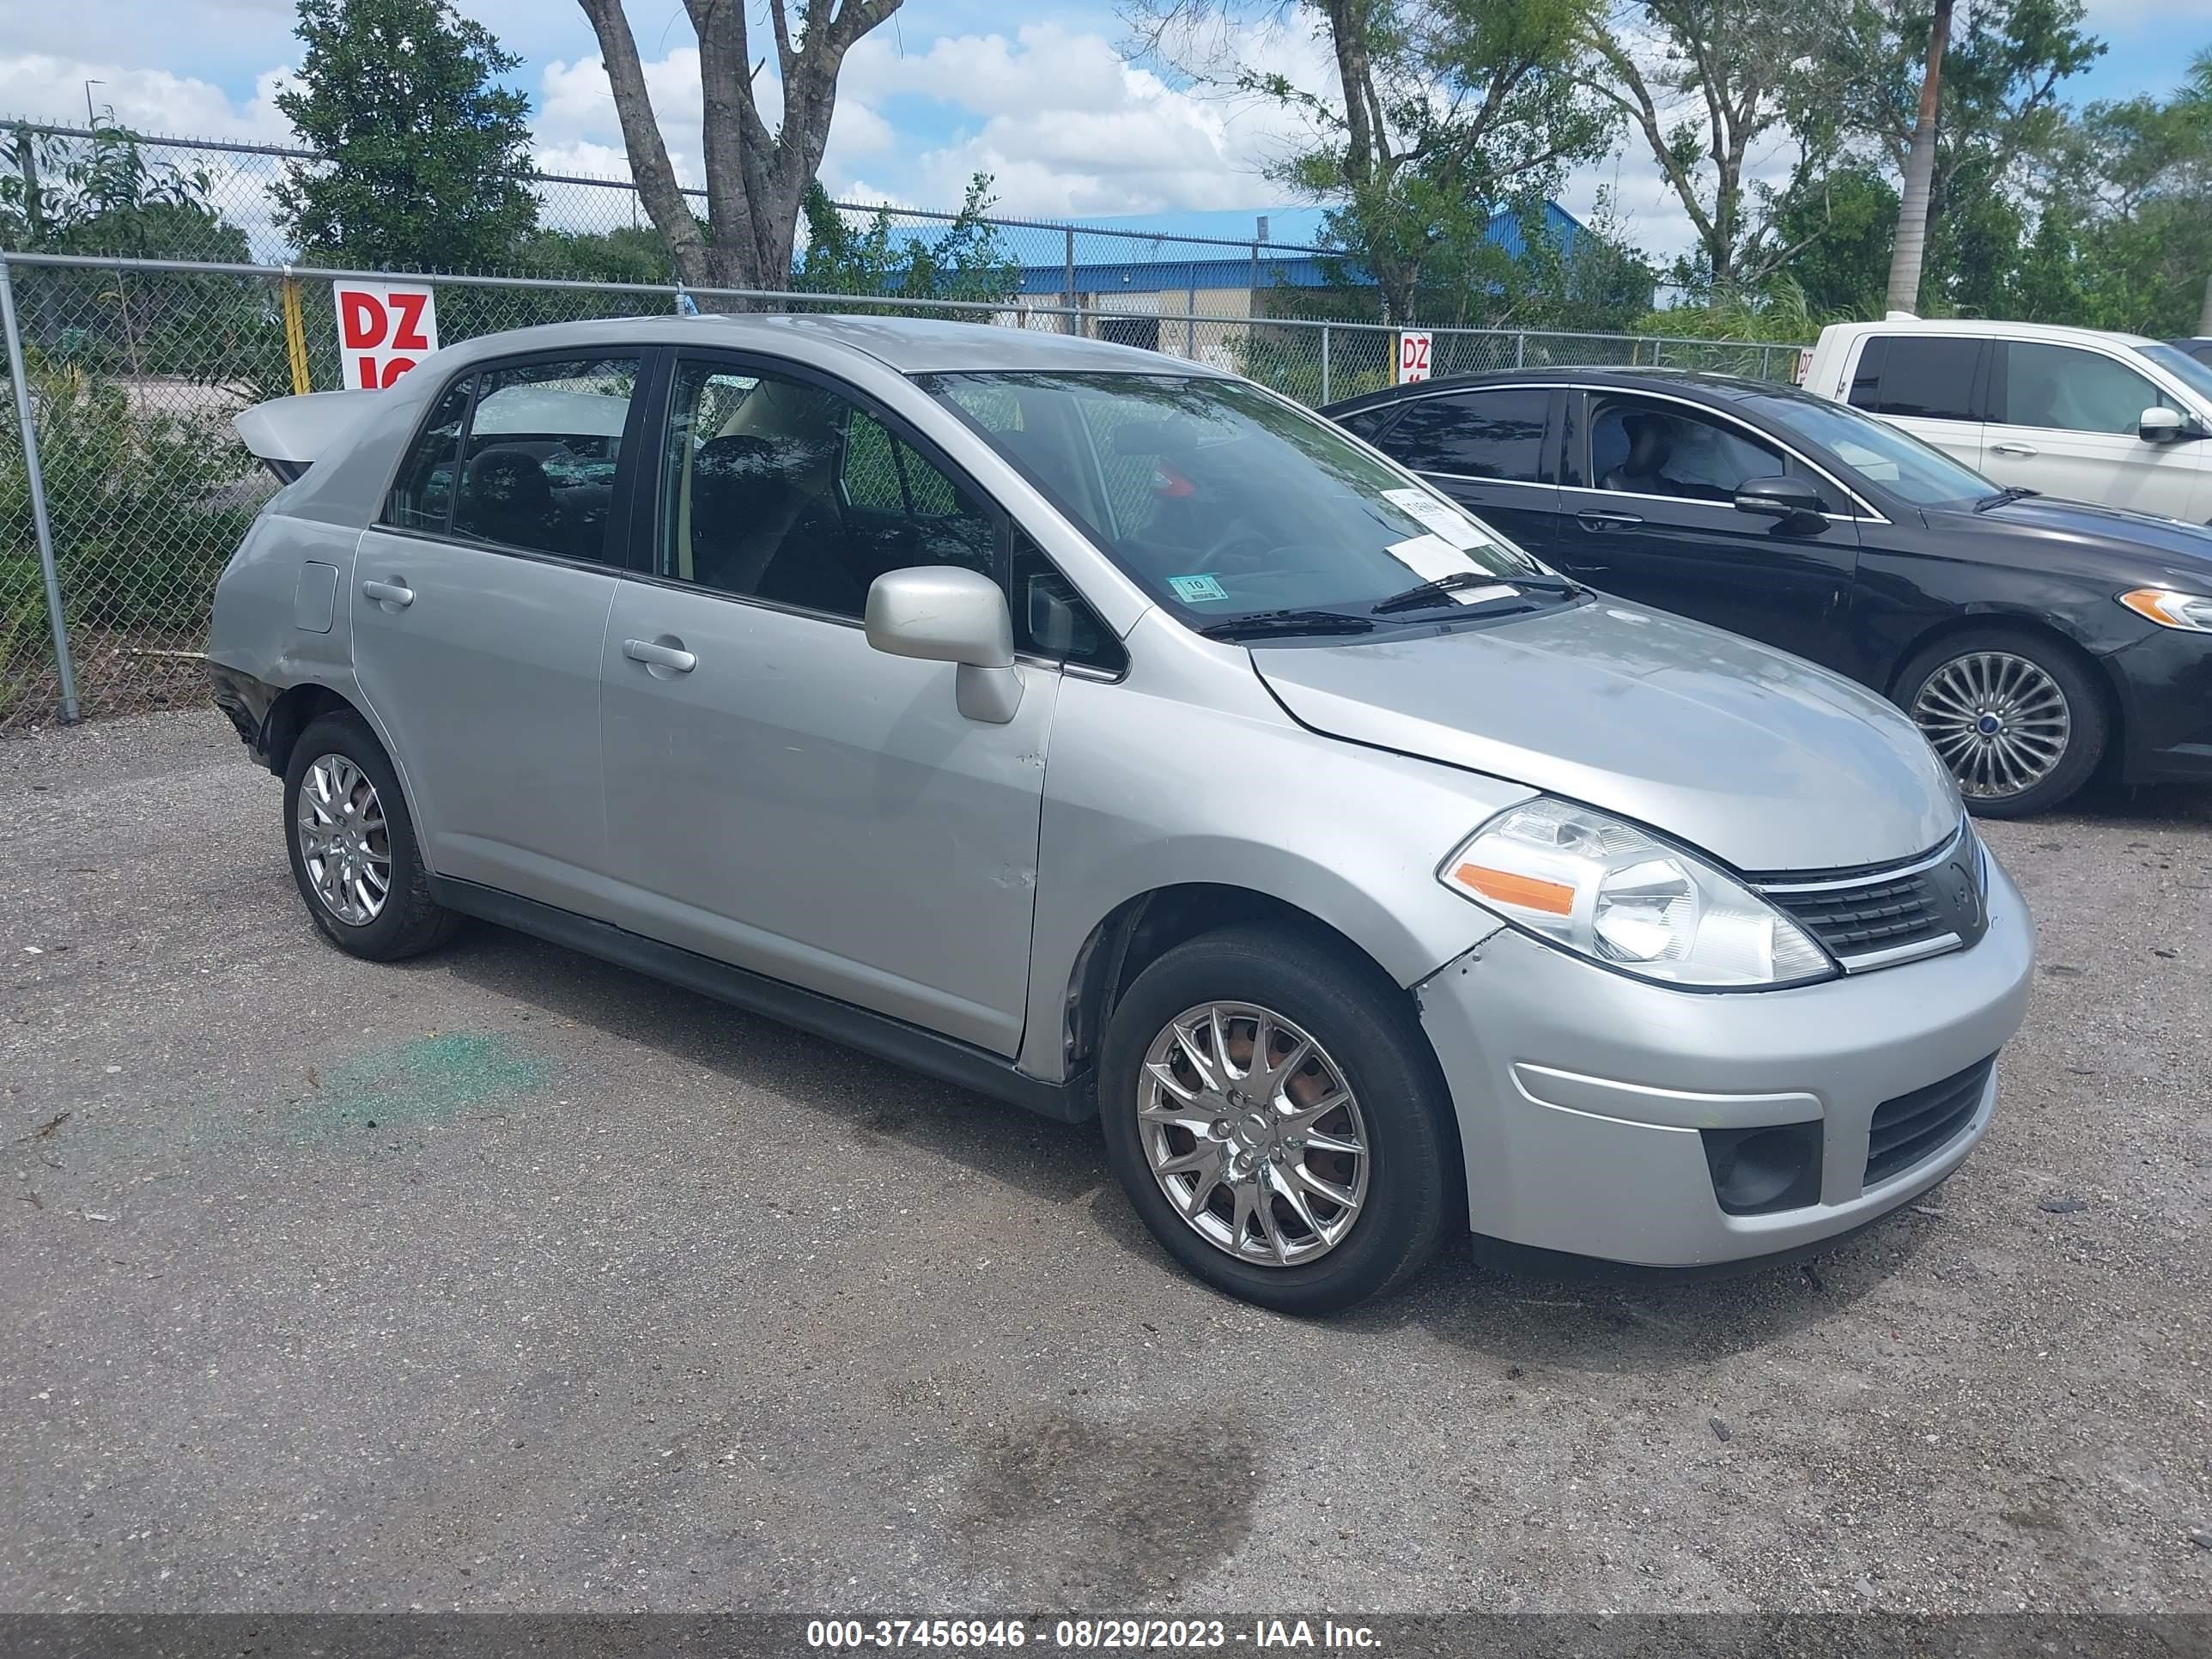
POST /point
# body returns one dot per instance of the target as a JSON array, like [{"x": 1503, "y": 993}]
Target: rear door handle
[
  {"x": 653, "y": 654},
  {"x": 2020, "y": 450},
  {"x": 1607, "y": 520},
  {"x": 398, "y": 595}
]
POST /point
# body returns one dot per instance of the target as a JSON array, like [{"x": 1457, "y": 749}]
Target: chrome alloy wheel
[
  {"x": 1999, "y": 721},
  {"x": 1253, "y": 1133},
  {"x": 344, "y": 842}
]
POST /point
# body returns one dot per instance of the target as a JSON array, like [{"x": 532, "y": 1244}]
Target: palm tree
[{"x": 1919, "y": 171}]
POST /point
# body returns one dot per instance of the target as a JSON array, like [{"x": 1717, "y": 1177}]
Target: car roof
[
  {"x": 1716, "y": 386},
  {"x": 911, "y": 345},
  {"x": 1988, "y": 328}
]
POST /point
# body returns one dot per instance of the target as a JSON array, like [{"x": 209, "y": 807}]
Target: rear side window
[
  {"x": 1921, "y": 377},
  {"x": 2069, "y": 390},
  {"x": 1366, "y": 422},
  {"x": 1474, "y": 434},
  {"x": 422, "y": 494},
  {"x": 537, "y": 464}
]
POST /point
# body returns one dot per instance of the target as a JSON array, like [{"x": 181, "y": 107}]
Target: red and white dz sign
[
  {"x": 384, "y": 330},
  {"x": 1413, "y": 357}
]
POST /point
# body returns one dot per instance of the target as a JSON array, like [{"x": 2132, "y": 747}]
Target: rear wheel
[
  {"x": 2017, "y": 718},
  {"x": 1278, "y": 1120},
  {"x": 353, "y": 848}
]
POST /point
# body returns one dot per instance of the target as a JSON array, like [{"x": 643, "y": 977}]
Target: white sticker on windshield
[
  {"x": 1432, "y": 558},
  {"x": 1446, "y": 522}
]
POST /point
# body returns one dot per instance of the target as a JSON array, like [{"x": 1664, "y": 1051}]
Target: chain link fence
[{"x": 133, "y": 370}]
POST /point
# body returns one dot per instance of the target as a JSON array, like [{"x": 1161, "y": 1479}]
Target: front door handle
[
  {"x": 2020, "y": 451},
  {"x": 396, "y": 594},
  {"x": 654, "y": 654},
  {"x": 1607, "y": 520}
]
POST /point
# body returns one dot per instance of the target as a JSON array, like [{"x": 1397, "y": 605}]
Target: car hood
[
  {"x": 2187, "y": 547},
  {"x": 1753, "y": 756}
]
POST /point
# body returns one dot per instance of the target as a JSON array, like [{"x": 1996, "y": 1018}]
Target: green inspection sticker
[{"x": 1194, "y": 590}]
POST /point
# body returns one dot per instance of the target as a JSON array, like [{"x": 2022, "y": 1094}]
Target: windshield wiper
[
  {"x": 1415, "y": 598},
  {"x": 2010, "y": 493},
  {"x": 1261, "y": 622}
]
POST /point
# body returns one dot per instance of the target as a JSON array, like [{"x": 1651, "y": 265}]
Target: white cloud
[{"x": 52, "y": 89}]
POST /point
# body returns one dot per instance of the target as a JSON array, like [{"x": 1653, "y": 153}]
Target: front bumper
[
  {"x": 2165, "y": 684},
  {"x": 1580, "y": 1092}
]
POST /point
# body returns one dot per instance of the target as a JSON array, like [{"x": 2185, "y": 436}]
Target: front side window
[
  {"x": 2070, "y": 390},
  {"x": 777, "y": 488},
  {"x": 422, "y": 496},
  {"x": 1928, "y": 377},
  {"x": 1879, "y": 452},
  {"x": 1474, "y": 434},
  {"x": 1224, "y": 503},
  {"x": 1640, "y": 448},
  {"x": 537, "y": 464}
]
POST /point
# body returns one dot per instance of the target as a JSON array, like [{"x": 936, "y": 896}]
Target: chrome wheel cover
[
  {"x": 1253, "y": 1133},
  {"x": 1999, "y": 721},
  {"x": 344, "y": 842}
]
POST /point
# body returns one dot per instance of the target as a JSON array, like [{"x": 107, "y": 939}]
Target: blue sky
[{"x": 1047, "y": 104}]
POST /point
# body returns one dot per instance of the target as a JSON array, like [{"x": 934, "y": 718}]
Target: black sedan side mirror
[{"x": 1778, "y": 498}]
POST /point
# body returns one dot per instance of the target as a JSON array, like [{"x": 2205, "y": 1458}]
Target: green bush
[{"x": 146, "y": 504}]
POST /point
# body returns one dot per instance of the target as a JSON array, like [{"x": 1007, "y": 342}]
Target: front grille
[
  {"x": 1879, "y": 915},
  {"x": 1917, "y": 1125},
  {"x": 1871, "y": 918}
]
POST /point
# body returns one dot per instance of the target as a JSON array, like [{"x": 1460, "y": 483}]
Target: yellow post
[{"x": 295, "y": 337}]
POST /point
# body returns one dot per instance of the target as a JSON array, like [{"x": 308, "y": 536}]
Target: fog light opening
[{"x": 1758, "y": 1171}]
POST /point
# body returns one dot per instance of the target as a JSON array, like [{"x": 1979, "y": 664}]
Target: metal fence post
[
  {"x": 1521, "y": 350},
  {"x": 1074, "y": 322},
  {"x": 1324, "y": 360},
  {"x": 1765, "y": 364},
  {"x": 37, "y": 482}
]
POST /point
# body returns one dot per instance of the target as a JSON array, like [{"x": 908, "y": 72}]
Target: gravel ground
[{"x": 508, "y": 1279}]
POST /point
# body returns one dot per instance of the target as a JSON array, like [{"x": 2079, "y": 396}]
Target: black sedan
[{"x": 2031, "y": 639}]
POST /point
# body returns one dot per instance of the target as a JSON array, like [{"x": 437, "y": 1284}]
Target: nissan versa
[{"x": 1111, "y": 735}]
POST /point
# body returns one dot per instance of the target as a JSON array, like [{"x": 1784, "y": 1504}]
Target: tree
[
  {"x": 425, "y": 160},
  {"x": 101, "y": 195},
  {"x": 1919, "y": 170},
  {"x": 1444, "y": 112},
  {"x": 966, "y": 261},
  {"x": 756, "y": 178},
  {"x": 1999, "y": 117},
  {"x": 1706, "y": 83},
  {"x": 1843, "y": 228}
]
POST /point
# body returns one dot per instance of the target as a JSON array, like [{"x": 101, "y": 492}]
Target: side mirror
[
  {"x": 941, "y": 613},
  {"x": 1783, "y": 499},
  {"x": 2158, "y": 426}
]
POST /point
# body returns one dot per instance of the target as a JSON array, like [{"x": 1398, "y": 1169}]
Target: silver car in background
[{"x": 1109, "y": 735}]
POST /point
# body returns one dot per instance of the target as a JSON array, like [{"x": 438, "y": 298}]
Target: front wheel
[
  {"x": 1278, "y": 1120},
  {"x": 2015, "y": 718}
]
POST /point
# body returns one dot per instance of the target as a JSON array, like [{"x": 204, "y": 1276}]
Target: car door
[
  {"x": 1931, "y": 384},
  {"x": 780, "y": 795},
  {"x": 1648, "y": 512},
  {"x": 1487, "y": 449},
  {"x": 479, "y": 603},
  {"x": 2065, "y": 420}
]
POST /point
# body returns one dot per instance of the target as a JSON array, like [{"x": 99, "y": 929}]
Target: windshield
[
  {"x": 1895, "y": 461},
  {"x": 2195, "y": 375},
  {"x": 1224, "y": 503}
]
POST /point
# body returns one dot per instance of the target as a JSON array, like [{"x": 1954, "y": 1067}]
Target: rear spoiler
[{"x": 288, "y": 435}]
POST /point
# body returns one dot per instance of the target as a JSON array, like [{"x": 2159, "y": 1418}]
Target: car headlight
[
  {"x": 2191, "y": 612},
  {"x": 1603, "y": 889}
]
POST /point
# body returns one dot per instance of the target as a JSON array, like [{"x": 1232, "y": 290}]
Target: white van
[{"x": 2110, "y": 418}]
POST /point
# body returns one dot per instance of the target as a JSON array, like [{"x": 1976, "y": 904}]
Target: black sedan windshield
[
  {"x": 1227, "y": 505},
  {"x": 1879, "y": 452}
]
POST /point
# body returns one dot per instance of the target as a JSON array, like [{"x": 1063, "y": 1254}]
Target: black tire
[
  {"x": 409, "y": 923},
  {"x": 1366, "y": 1026},
  {"x": 2090, "y": 721}
]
